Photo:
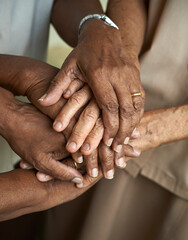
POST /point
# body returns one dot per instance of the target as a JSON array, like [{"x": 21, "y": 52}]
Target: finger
[
  {"x": 108, "y": 103},
  {"x": 89, "y": 181},
  {"x": 74, "y": 86},
  {"x": 106, "y": 156},
  {"x": 76, "y": 101},
  {"x": 78, "y": 157},
  {"x": 135, "y": 134},
  {"x": 93, "y": 139},
  {"x": 25, "y": 165},
  {"x": 57, "y": 87},
  {"x": 126, "y": 116},
  {"x": 92, "y": 164},
  {"x": 83, "y": 127},
  {"x": 43, "y": 177},
  {"x": 127, "y": 151},
  {"x": 58, "y": 170}
]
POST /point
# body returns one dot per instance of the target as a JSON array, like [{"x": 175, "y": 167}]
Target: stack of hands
[
  {"x": 80, "y": 115},
  {"x": 94, "y": 114}
]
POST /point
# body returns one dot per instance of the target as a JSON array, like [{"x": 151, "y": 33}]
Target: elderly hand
[
  {"x": 30, "y": 135},
  {"x": 100, "y": 60}
]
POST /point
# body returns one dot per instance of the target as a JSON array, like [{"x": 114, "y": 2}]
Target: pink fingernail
[
  {"x": 94, "y": 172},
  {"x": 126, "y": 140},
  {"x": 80, "y": 159},
  {"x": 110, "y": 174},
  {"x": 136, "y": 151},
  {"x": 58, "y": 125},
  {"x": 86, "y": 147},
  {"x": 43, "y": 97},
  {"x": 80, "y": 185},
  {"x": 118, "y": 148},
  {"x": 26, "y": 166},
  {"x": 77, "y": 180},
  {"x": 72, "y": 145},
  {"x": 121, "y": 163},
  {"x": 135, "y": 133},
  {"x": 68, "y": 92},
  {"x": 109, "y": 142}
]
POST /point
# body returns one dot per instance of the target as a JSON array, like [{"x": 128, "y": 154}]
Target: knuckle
[
  {"x": 76, "y": 98},
  {"x": 89, "y": 114},
  {"x": 76, "y": 135},
  {"x": 108, "y": 163},
  {"x": 127, "y": 112},
  {"x": 111, "y": 106},
  {"x": 56, "y": 82},
  {"x": 138, "y": 105}
]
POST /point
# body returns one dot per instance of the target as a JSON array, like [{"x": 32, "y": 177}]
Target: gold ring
[
  {"x": 136, "y": 94},
  {"x": 76, "y": 165}
]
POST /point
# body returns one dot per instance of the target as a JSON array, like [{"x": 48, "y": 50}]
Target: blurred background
[{"x": 58, "y": 49}]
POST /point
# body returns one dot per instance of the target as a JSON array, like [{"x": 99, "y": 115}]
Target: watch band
[{"x": 102, "y": 17}]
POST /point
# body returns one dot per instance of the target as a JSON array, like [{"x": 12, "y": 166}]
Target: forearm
[
  {"x": 130, "y": 16},
  {"x": 172, "y": 124},
  {"x": 66, "y": 16},
  {"x": 21, "y": 193},
  {"x": 18, "y": 74},
  {"x": 162, "y": 126}
]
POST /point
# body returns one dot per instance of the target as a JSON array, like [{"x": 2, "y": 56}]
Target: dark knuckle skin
[
  {"x": 108, "y": 163},
  {"x": 138, "y": 105},
  {"x": 111, "y": 107},
  {"x": 127, "y": 112}
]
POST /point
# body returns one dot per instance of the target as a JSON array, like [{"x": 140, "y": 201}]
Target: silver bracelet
[{"x": 102, "y": 17}]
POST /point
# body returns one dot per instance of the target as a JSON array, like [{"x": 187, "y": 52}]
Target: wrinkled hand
[
  {"x": 100, "y": 60},
  {"x": 30, "y": 135}
]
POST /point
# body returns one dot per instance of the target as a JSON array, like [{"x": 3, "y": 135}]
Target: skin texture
[
  {"x": 112, "y": 76},
  {"x": 32, "y": 195}
]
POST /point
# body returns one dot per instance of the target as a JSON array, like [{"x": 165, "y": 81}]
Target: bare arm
[
  {"x": 131, "y": 17},
  {"x": 66, "y": 16}
]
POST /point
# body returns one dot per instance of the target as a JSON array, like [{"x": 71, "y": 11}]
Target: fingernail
[
  {"x": 94, "y": 172},
  {"x": 43, "y": 97},
  {"x": 126, "y": 140},
  {"x": 135, "y": 133},
  {"x": 26, "y": 166},
  {"x": 80, "y": 185},
  {"x": 118, "y": 148},
  {"x": 80, "y": 159},
  {"x": 110, "y": 174},
  {"x": 136, "y": 151},
  {"x": 86, "y": 147},
  {"x": 58, "y": 125},
  {"x": 109, "y": 142},
  {"x": 77, "y": 180},
  {"x": 121, "y": 163},
  {"x": 68, "y": 92},
  {"x": 43, "y": 176},
  {"x": 72, "y": 145}
]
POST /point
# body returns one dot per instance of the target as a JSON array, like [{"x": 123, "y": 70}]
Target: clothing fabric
[
  {"x": 24, "y": 27},
  {"x": 119, "y": 209},
  {"x": 165, "y": 78}
]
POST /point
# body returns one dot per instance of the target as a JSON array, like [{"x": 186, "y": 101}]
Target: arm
[
  {"x": 101, "y": 60},
  {"x": 66, "y": 16},
  {"x": 161, "y": 126},
  {"x": 30, "y": 135},
  {"x": 22, "y": 193},
  {"x": 130, "y": 16}
]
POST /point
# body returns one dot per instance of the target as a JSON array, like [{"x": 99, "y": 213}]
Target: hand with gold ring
[{"x": 112, "y": 74}]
